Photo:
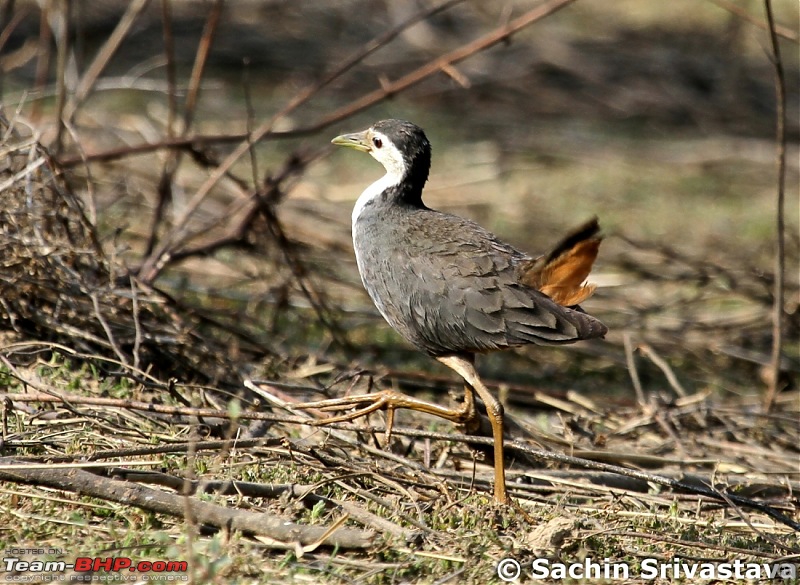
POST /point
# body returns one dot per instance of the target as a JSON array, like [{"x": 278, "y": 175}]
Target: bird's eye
[{"x": 377, "y": 142}]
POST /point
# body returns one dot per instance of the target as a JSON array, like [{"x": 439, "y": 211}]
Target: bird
[{"x": 452, "y": 288}]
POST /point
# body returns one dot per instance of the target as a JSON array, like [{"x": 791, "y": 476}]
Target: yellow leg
[{"x": 466, "y": 369}]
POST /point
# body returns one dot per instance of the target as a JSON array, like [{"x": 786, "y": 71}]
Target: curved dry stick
[
  {"x": 782, "y": 31},
  {"x": 431, "y": 68},
  {"x": 156, "y": 262},
  {"x": 174, "y": 158},
  {"x": 103, "y": 57},
  {"x": 488, "y": 40}
]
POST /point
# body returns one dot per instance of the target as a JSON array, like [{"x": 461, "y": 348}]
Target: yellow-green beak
[{"x": 357, "y": 140}]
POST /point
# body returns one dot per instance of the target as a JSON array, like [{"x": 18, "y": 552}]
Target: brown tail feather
[{"x": 561, "y": 274}]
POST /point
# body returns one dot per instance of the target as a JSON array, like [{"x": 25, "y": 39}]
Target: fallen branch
[
  {"x": 130, "y": 494},
  {"x": 304, "y": 493}
]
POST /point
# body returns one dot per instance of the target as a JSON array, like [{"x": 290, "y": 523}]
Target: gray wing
[{"x": 466, "y": 295}]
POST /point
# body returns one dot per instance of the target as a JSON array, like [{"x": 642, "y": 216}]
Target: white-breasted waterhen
[{"x": 452, "y": 288}]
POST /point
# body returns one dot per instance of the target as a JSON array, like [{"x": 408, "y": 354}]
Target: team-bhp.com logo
[
  {"x": 121, "y": 563},
  {"x": 90, "y": 564}
]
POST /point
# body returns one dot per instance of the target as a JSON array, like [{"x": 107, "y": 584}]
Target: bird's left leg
[
  {"x": 389, "y": 400},
  {"x": 465, "y": 367}
]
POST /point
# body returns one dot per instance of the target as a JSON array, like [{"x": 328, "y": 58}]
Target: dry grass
[{"x": 417, "y": 520}]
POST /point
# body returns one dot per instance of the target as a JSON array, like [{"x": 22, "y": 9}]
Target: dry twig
[{"x": 778, "y": 312}]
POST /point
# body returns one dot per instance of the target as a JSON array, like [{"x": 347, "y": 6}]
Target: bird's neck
[{"x": 392, "y": 189}]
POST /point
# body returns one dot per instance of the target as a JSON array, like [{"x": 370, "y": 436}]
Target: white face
[{"x": 382, "y": 150}]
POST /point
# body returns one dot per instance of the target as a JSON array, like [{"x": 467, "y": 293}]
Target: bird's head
[{"x": 401, "y": 147}]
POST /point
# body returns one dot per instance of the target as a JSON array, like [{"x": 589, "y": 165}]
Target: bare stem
[{"x": 780, "y": 253}]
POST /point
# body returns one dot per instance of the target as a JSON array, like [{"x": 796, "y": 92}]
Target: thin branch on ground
[{"x": 161, "y": 502}]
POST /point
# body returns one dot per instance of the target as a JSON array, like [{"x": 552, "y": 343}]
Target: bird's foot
[
  {"x": 363, "y": 403},
  {"x": 388, "y": 400}
]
